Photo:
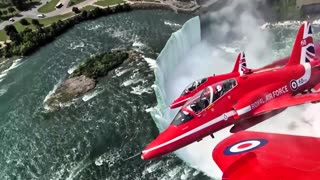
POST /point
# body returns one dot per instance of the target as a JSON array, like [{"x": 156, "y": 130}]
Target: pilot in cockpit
[
  {"x": 193, "y": 86},
  {"x": 217, "y": 93},
  {"x": 219, "y": 89},
  {"x": 202, "y": 103}
]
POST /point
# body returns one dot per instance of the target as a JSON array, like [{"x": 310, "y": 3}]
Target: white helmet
[{"x": 218, "y": 88}]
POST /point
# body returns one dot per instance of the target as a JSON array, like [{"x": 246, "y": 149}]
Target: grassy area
[
  {"x": 8, "y": 14},
  {"x": 21, "y": 27},
  {"x": 108, "y": 2},
  {"x": 44, "y": 22},
  {"x": 3, "y": 35},
  {"x": 88, "y": 8},
  {"x": 50, "y": 20},
  {"x": 50, "y": 6},
  {"x": 74, "y": 2}
]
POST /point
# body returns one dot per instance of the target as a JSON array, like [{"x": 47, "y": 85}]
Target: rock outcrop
[
  {"x": 85, "y": 77},
  {"x": 69, "y": 90}
]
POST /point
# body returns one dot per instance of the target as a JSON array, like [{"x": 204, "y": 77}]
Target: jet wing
[
  {"x": 286, "y": 101},
  {"x": 254, "y": 155}
]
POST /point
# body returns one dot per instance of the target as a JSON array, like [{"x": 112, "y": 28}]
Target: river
[{"x": 92, "y": 137}]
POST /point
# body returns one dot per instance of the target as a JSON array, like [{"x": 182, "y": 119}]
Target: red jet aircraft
[
  {"x": 244, "y": 99},
  {"x": 199, "y": 85},
  {"x": 254, "y": 155},
  {"x": 239, "y": 68}
]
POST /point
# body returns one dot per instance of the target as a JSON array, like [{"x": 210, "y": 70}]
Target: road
[
  {"x": 64, "y": 9},
  {"x": 32, "y": 13}
]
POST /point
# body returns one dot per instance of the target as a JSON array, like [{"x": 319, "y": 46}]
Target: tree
[
  {"x": 19, "y": 4},
  {"x": 35, "y": 22},
  {"x": 5, "y": 12},
  {"x": 84, "y": 14},
  {"x": 10, "y": 29},
  {"x": 24, "y": 22},
  {"x": 126, "y": 7},
  {"x": 76, "y": 10},
  {"x": 0, "y": 13},
  {"x": 15, "y": 38},
  {"x": 11, "y": 9}
]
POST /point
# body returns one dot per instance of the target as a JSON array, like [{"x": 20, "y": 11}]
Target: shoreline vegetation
[
  {"x": 87, "y": 75},
  {"x": 28, "y": 41},
  {"x": 23, "y": 43}
]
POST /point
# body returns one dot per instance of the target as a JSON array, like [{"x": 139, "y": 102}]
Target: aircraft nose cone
[
  {"x": 161, "y": 145},
  {"x": 149, "y": 152},
  {"x": 145, "y": 155},
  {"x": 172, "y": 106}
]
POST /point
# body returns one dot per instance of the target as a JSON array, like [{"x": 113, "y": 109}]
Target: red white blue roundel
[{"x": 244, "y": 146}]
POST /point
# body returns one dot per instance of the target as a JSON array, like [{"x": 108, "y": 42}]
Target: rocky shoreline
[
  {"x": 70, "y": 89},
  {"x": 77, "y": 85}
]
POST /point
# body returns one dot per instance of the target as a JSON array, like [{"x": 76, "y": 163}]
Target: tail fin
[
  {"x": 241, "y": 64},
  {"x": 303, "y": 48}
]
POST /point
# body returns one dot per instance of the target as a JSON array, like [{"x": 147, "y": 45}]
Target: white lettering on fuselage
[
  {"x": 257, "y": 103},
  {"x": 270, "y": 96}
]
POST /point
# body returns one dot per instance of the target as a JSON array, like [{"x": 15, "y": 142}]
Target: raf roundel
[
  {"x": 244, "y": 146},
  {"x": 294, "y": 85}
]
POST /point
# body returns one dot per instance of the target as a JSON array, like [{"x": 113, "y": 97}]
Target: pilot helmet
[{"x": 219, "y": 88}]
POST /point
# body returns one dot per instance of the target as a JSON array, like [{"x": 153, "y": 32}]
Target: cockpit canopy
[
  {"x": 202, "y": 100},
  {"x": 181, "y": 118},
  {"x": 194, "y": 86},
  {"x": 209, "y": 95}
]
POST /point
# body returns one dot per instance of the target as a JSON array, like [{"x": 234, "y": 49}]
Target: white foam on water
[
  {"x": 74, "y": 45},
  {"x": 151, "y": 62},
  {"x": 172, "y": 24},
  {"x": 4, "y": 88},
  {"x": 14, "y": 65},
  {"x": 72, "y": 69},
  {"x": 90, "y": 95},
  {"x": 94, "y": 27},
  {"x": 55, "y": 87},
  {"x": 139, "y": 90},
  {"x": 152, "y": 168},
  {"x": 120, "y": 72},
  {"x": 3, "y": 91},
  {"x": 138, "y": 44},
  {"x": 98, "y": 161},
  {"x": 77, "y": 169},
  {"x": 52, "y": 91},
  {"x": 131, "y": 82}
]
